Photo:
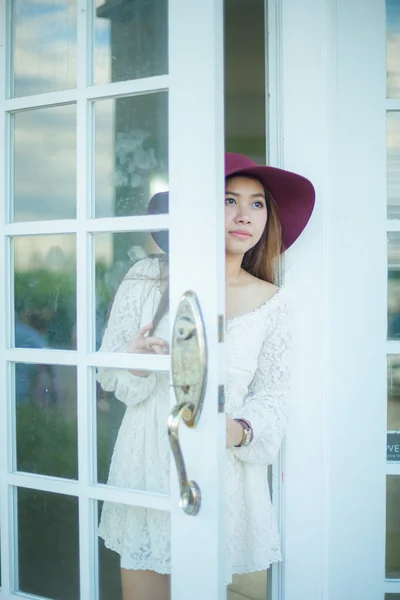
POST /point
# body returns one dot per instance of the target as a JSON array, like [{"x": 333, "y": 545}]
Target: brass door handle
[{"x": 189, "y": 374}]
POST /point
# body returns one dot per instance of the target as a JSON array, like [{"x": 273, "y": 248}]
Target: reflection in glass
[
  {"x": 44, "y": 49},
  {"x": 250, "y": 586},
  {"x": 392, "y": 527},
  {"x": 46, "y": 420},
  {"x": 133, "y": 405},
  {"x": 392, "y": 49},
  {"x": 393, "y": 386},
  {"x": 132, "y": 292},
  {"x": 48, "y": 544},
  {"x": 131, "y": 39},
  {"x": 393, "y": 164},
  {"x": 245, "y": 78},
  {"x": 45, "y": 164},
  {"x": 131, "y": 153},
  {"x": 393, "y": 286},
  {"x": 45, "y": 291},
  {"x": 135, "y": 550},
  {"x": 118, "y": 256}
]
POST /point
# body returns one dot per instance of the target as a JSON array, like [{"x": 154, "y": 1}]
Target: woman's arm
[
  {"x": 122, "y": 327},
  {"x": 267, "y": 403}
]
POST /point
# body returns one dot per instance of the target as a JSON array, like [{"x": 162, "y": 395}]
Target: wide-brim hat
[
  {"x": 158, "y": 205},
  {"x": 293, "y": 194}
]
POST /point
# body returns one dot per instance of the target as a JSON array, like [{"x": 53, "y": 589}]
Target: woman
[{"x": 266, "y": 209}]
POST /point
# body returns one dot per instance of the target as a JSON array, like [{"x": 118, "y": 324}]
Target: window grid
[
  {"x": 392, "y": 225},
  {"x": 83, "y": 226}
]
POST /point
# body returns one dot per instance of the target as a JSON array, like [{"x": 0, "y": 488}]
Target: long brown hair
[{"x": 264, "y": 260}]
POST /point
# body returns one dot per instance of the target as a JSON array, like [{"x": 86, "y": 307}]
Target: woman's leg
[{"x": 144, "y": 585}]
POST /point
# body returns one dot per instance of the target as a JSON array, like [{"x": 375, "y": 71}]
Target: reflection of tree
[
  {"x": 48, "y": 523},
  {"x": 134, "y": 162}
]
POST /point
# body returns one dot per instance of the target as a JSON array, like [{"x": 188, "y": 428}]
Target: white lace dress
[{"x": 257, "y": 389}]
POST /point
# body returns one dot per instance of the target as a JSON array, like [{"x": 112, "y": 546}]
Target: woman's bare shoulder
[{"x": 263, "y": 290}]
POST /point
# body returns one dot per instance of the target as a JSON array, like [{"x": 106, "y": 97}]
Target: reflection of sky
[
  {"x": 45, "y": 139},
  {"x": 393, "y": 16}
]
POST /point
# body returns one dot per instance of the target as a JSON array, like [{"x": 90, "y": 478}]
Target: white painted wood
[
  {"x": 196, "y": 214},
  {"x": 305, "y": 150},
  {"x": 87, "y": 442},
  {"x": 393, "y": 468},
  {"x": 392, "y": 103},
  {"x": 6, "y": 533},
  {"x": 356, "y": 285},
  {"x": 392, "y": 586},
  {"x": 115, "y": 224},
  {"x": 110, "y": 90},
  {"x": 97, "y": 492},
  {"x": 275, "y": 133}
]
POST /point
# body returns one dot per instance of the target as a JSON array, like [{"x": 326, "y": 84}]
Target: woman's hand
[
  {"x": 144, "y": 344},
  {"x": 234, "y": 432}
]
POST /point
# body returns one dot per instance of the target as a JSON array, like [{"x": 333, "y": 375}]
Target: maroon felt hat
[{"x": 293, "y": 194}]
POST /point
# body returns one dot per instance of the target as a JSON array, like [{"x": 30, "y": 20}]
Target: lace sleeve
[
  {"x": 267, "y": 403},
  {"x": 122, "y": 327}
]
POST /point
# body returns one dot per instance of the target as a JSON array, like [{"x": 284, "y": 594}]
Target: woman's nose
[{"x": 242, "y": 216}]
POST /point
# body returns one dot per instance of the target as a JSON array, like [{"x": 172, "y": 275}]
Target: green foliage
[
  {"x": 46, "y": 442},
  {"x": 48, "y": 523}
]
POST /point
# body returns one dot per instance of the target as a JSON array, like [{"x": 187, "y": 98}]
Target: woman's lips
[{"x": 240, "y": 235}]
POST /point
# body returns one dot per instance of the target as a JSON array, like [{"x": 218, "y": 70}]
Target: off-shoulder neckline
[{"x": 262, "y": 306}]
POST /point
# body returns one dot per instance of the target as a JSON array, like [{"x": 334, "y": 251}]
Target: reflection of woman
[{"x": 266, "y": 209}]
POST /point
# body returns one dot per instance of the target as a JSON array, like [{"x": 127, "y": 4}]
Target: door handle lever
[{"x": 189, "y": 374}]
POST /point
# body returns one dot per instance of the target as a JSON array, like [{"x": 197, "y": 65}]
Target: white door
[{"x": 103, "y": 104}]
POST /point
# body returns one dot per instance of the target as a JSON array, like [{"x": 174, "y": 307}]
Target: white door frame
[{"x": 333, "y": 72}]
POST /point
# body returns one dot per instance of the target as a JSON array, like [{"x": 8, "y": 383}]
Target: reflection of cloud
[
  {"x": 45, "y": 45},
  {"x": 32, "y": 250},
  {"x": 393, "y": 161},
  {"x": 45, "y": 139},
  {"x": 393, "y": 64},
  {"x": 45, "y": 163}
]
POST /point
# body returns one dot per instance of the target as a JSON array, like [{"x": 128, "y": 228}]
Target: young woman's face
[{"x": 245, "y": 214}]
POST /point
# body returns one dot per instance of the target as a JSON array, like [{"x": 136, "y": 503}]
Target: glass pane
[
  {"x": 133, "y": 538},
  {"x": 250, "y": 586},
  {"x": 45, "y": 291},
  {"x": 393, "y": 286},
  {"x": 392, "y": 596},
  {"x": 393, "y": 417},
  {"x": 245, "y": 78},
  {"x": 393, "y": 164},
  {"x": 135, "y": 258},
  {"x": 46, "y": 420},
  {"x": 131, "y": 292},
  {"x": 131, "y": 153},
  {"x": 393, "y": 527},
  {"x": 44, "y": 49},
  {"x": 131, "y": 39},
  {"x": 48, "y": 544},
  {"x": 45, "y": 164},
  {"x": 393, "y": 49}
]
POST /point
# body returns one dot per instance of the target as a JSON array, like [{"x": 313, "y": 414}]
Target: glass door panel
[
  {"x": 131, "y": 40},
  {"x": 43, "y": 46},
  {"x": 93, "y": 250}
]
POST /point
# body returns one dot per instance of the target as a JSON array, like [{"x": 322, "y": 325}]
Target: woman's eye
[
  {"x": 258, "y": 204},
  {"x": 230, "y": 201}
]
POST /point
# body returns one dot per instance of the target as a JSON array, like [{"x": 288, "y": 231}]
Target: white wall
[{"x": 334, "y": 133}]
